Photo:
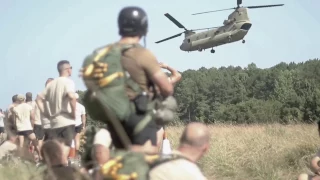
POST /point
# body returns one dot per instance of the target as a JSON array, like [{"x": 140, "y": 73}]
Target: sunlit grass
[{"x": 258, "y": 152}]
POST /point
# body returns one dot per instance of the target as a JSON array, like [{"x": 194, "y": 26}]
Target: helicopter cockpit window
[{"x": 246, "y": 26}]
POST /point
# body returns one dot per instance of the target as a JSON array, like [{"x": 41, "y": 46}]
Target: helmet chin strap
[{"x": 144, "y": 41}]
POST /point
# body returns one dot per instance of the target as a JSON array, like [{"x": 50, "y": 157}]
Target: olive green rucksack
[
  {"x": 86, "y": 158},
  {"x": 126, "y": 165},
  {"x": 106, "y": 80}
]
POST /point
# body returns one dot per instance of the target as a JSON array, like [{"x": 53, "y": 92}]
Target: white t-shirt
[
  {"x": 80, "y": 110},
  {"x": 23, "y": 113},
  {"x": 45, "y": 122},
  {"x": 6, "y": 147},
  {"x": 36, "y": 110},
  {"x": 58, "y": 103},
  {"x": 1, "y": 120},
  {"x": 172, "y": 170}
]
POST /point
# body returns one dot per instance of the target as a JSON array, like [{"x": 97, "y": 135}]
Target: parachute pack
[
  {"x": 106, "y": 98},
  {"x": 106, "y": 80},
  {"x": 123, "y": 165},
  {"x": 126, "y": 165}
]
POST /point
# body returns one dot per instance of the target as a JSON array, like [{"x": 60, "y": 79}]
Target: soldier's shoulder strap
[{"x": 166, "y": 158}]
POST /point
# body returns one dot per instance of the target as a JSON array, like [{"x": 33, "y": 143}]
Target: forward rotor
[{"x": 238, "y": 6}]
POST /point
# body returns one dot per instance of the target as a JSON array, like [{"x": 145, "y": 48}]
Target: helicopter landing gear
[
  {"x": 243, "y": 41},
  {"x": 212, "y": 51},
  {"x": 199, "y": 49}
]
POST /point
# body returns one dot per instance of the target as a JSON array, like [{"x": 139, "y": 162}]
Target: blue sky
[{"x": 35, "y": 35}]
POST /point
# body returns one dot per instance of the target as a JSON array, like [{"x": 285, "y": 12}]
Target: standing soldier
[
  {"x": 9, "y": 122},
  {"x": 1, "y": 125},
  {"x": 80, "y": 123},
  {"x": 143, "y": 72},
  {"x": 23, "y": 116},
  {"x": 60, "y": 95},
  {"x": 37, "y": 127},
  {"x": 45, "y": 122}
]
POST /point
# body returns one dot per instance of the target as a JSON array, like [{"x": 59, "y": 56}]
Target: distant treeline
[{"x": 285, "y": 93}]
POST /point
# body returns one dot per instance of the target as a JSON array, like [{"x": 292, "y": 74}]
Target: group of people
[
  {"x": 51, "y": 124},
  {"x": 45, "y": 118},
  {"x": 54, "y": 120}
]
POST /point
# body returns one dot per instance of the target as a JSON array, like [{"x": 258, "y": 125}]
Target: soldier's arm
[
  {"x": 70, "y": 90},
  {"x": 32, "y": 116},
  {"x": 13, "y": 117},
  {"x": 40, "y": 100},
  {"x": 151, "y": 66},
  {"x": 175, "y": 75}
]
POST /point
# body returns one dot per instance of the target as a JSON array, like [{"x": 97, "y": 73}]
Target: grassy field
[
  {"x": 260, "y": 152},
  {"x": 268, "y": 152}
]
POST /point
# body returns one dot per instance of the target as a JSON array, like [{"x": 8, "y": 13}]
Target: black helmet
[{"x": 132, "y": 21}]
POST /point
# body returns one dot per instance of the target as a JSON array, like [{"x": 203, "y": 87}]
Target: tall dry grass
[{"x": 259, "y": 152}]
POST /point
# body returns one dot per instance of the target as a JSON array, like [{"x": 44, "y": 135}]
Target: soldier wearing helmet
[{"x": 143, "y": 68}]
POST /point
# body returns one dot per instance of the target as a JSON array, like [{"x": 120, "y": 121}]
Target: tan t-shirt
[
  {"x": 7, "y": 147},
  {"x": 180, "y": 169},
  {"x": 10, "y": 109},
  {"x": 45, "y": 122},
  {"x": 23, "y": 113},
  {"x": 56, "y": 93},
  {"x": 141, "y": 64},
  {"x": 8, "y": 123},
  {"x": 36, "y": 110}
]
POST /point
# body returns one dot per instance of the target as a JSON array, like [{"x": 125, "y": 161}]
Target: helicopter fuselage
[
  {"x": 216, "y": 37},
  {"x": 235, "y": 28}
]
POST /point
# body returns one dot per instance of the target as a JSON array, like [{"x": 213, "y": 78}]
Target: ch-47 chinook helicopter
[{"x": 235, "y": 28}]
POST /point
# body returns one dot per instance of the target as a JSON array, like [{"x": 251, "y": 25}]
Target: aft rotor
[{"x": 187, "y": 32}]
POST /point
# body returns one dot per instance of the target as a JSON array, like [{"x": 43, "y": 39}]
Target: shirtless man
[
  {"x": 23, "y": 116},
  {"x": 194, "y": 143}
]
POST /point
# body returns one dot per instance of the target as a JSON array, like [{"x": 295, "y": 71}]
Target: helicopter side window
[{"x": 188, "y": 40}]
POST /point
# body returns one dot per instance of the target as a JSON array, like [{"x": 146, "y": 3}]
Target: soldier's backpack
[
  {"x": 126, "y": 165},
  {"x": 86, "y": 157},
  {"x": 106, "y": 81}
]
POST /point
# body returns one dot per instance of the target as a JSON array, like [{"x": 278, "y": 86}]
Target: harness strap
[
  {"x": 142, "y": 124},
  {"x": 147, "y": 119},
  {"x": 168, "y": 158}
]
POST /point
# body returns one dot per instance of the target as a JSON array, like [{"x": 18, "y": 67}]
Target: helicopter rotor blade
[
  {"x": 205, "y": 28},
  {"x": 239, "y": 2},
  {"x": 177, "y": 23},
  {"x": 212, "y": 11},
  {"x": 263, "y": 6},
  {"x": 171, "y": 37}
]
